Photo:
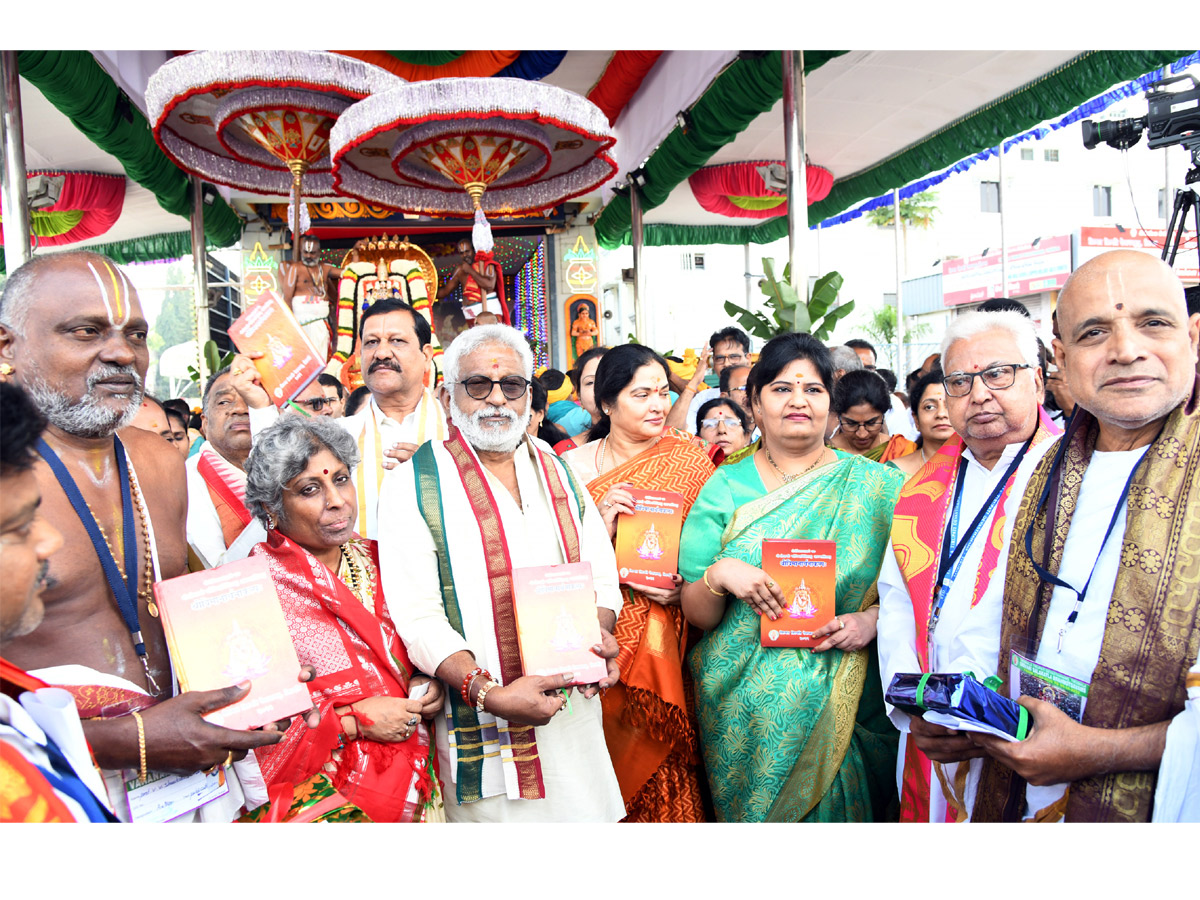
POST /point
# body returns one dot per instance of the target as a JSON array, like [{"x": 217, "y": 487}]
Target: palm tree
[{"x": 915, "y": 211}]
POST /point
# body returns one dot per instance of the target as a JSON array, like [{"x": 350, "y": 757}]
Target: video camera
[{"x": 1173, "y": 118}]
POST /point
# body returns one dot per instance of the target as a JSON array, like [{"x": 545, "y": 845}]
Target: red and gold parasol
[
  {"x": 454, "y": 145},
  {"x": 258, "y": 120}
]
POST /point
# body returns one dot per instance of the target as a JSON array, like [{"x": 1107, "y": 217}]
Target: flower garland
[{"x": 530, "y": 312}]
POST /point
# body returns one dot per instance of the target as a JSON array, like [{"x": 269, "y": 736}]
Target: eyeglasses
[
  {"x": 730, "y": 424},
  {"x": 996, "y": 378},
  {"x": 742, "y": 388},
  {"x": 731, "y": 358},
  {"x": 316, "y": 404},
  {"x": 870, "y": 426},
  {"x": 479, "y": 387}
]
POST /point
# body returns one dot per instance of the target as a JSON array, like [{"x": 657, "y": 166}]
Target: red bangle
[{"x": 467, "y": 682}]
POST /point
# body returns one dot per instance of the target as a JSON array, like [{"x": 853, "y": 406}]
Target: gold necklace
[
  {"x": 783, "y": 476},
  {"x": 353, "y": 572},
  {"x": 146, "y": 592}
]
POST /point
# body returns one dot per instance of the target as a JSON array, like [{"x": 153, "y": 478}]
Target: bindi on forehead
[{"x": 1120, "y": 306}]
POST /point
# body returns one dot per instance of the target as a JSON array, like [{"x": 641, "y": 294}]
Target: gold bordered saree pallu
[
  {"x": 473, "y": 737},
  {"x": 1151, "y": 638},
  {"x": 918, "y": 530}
]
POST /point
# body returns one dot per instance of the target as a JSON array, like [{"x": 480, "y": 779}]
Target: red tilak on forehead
[{"x": 324, "y": 471}]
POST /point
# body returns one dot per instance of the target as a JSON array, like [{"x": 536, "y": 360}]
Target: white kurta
[
  {"x": 577, "y": 772},
  {"x": 1098, "y": 496},
  {"x": 363, "y": 423},
  {"x": 204, "y": 533},
  {"x": 899, "y": 419},
  {"x": 966, "y": 639},
  {"x": 1177, "y": 794}
]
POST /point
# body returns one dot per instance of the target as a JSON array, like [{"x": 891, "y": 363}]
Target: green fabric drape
[
  {"x": 81, "y": 90},
  {"x": 743, "y": 91},
  {"x": 151, "y": 248},
  {"x": 1051, "y": 95},
  {"x": 426, "y": 57}
]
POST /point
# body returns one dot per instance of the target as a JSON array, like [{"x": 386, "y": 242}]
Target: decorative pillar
[{"x": 16, "y": 203}]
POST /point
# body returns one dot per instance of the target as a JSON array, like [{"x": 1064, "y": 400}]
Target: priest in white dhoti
[
  {"x": 938, "y": 609},
  {"x": 219, "y": 527},
  {"x": 455, "y": 521},
  {"x": 402, "y": 413},
  {"x": 1100, "y": 623}
]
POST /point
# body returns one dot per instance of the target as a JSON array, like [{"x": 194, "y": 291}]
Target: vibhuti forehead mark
[{"x": 120, "y": 317}]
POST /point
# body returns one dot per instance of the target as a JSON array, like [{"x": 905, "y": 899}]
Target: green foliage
[
  {"x": 881, "y": 327},
  {"x": 214, "y": 359},
  {"x": 915, "y": 212},
  {"x": 818, "y": 315}
]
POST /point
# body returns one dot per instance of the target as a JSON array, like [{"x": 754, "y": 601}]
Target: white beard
[
  {"x": 491, "y": 439},
  {"x": 85, "y": 417}
]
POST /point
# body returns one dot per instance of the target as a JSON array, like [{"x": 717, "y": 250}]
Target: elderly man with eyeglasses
[
  {"x": 455, "y": 521},
  {"x": 949, "y": 534}
]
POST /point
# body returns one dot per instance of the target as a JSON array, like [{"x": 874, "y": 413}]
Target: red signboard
[
  {"x": 1094, "y": 240},
  {"x": 1031, "y": 269}
]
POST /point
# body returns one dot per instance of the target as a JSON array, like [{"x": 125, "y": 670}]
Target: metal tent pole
[
  {"x": 641, "y": 322},
  {"x": 199, "y": 262},
  {"x": 797, "y": 177},
  {"x": 16, "y": 203},
  {"x": 1003, "y": 229},
  {"x": 901, "y": 368}
]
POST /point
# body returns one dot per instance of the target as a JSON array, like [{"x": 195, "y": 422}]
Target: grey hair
[
  {"x": 19, "y": 290},
  {"x": 479, "y": 336},
  {"x": 975, "y": 323},
  {"x": 282, "y": 452},
  {"x": 845, "y": 358}
]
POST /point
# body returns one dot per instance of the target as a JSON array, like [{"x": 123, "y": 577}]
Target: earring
[
  {"x": 6, "y": 370},
  {"x": 270, "y": 522}
]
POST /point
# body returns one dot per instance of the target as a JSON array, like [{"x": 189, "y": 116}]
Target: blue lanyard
[
  {"x": 62, "y": 778},
  {"x": 954, "y": 551},
  {"x": 124, "y": 589},
  {"x": 1045, "y": 574}
]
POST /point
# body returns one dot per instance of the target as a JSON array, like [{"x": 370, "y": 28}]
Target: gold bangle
[
  {"x": 709, "y": 586},
  {"x": 141, "y": 743}
]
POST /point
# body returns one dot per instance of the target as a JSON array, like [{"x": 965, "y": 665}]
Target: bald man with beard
[
  {"x": 73, "y": 335},
  {"x": 1101, "y": 597}
]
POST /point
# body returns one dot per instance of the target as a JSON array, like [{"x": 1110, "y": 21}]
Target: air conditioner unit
[{"x": 627, "y": 276}]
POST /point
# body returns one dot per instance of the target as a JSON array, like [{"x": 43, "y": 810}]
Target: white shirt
[
  {"x": 899, "y": 419},
  {"x": 1098, "y": 496},
  {"x": 1177, "y": 794},
  {"x": 577, "y": 772},
  {"x": 966, "y": 639},
  {"x": 204, "y": 533},
  {"x": 698, "y": 401}
]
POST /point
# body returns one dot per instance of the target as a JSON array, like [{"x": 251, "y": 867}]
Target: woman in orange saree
[{"x": 649, "y": 717}]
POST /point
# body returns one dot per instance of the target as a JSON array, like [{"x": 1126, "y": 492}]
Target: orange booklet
[
  {"x": 648, "y": 541},
  {"x": 289, "y": 361},
  {"x": 806, "y": 572},
  {"x": 556, "y": 621},
  {"x": 224, "y": 626}
]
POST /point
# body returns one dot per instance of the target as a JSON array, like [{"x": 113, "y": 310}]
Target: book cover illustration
[
  {"x": 806, "y": 572},
  {"x": 289, "y": 361},
  {"x": 556, "y": 621},
  {"x": 225, "y": 626},
  {"x": 648, "y": 540}
]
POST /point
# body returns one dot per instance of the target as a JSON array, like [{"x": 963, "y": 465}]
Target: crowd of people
[{"x": 1025, "y": 514}]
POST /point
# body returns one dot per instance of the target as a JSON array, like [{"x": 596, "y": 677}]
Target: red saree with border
[
  {"x": 357, "y": 654},
  {"x": 649, "y": 716}
]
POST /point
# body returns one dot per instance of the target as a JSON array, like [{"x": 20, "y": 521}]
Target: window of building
[
  {"x": 1050, "y": 155},
  {"x": 1101, "y": 200},
  {"x": 989, "y": 196},
  {"x": 1164, "y": 210},
  {"x": 1026, "y": 153}
]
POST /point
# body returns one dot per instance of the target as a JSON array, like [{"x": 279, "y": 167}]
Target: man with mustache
[
  {"x": 1101, "y": 596},
  {"x": 73, "y": 335},
  {"x": 402, "y": 413},
  {"x": 455, "y": 520}
]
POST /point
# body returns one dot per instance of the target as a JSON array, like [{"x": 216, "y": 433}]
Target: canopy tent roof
[{"x": 878, "y": 119}]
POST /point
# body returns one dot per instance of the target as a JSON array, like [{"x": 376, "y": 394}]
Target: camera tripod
[{"x": 1186, "y": 200}]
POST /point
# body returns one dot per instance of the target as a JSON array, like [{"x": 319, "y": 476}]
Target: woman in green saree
[{"x": 791, "y": 734}]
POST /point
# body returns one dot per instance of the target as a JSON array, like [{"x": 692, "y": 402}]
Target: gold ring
[
  {"x": 229, "y": 759},
  {"x": 841, "y": 624},
  {"x": 770, "y": 584},
  {"x": 236, "y": 372}
]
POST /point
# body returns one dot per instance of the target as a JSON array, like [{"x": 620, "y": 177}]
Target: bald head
[{"x": 1126, "y": 343}]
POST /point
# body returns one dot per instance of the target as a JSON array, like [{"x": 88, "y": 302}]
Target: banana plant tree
[
  {"x": 214, "y": 359},
  {"x": 818, "y": 315}
]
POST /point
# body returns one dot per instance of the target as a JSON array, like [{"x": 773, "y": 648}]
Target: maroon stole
[{"x": 499, "y": 570}]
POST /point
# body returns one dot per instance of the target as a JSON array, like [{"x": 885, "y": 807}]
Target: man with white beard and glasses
[
  {"x": 455, "y": 520},
  {"x": 73, "y": 335}
]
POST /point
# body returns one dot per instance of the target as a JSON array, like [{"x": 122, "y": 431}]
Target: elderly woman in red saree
[
  {"x": 369, "y": 759},
  {"x": 649, "y": 718}
]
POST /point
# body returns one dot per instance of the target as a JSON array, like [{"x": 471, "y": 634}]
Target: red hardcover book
[
  {"x": 225, "y": 626},
  {"x": 806, "y": 572},
  {"x": 289, "y": 361},
  {"x": 556, "y": 621},
  {"x": 648, "y": 541}
]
